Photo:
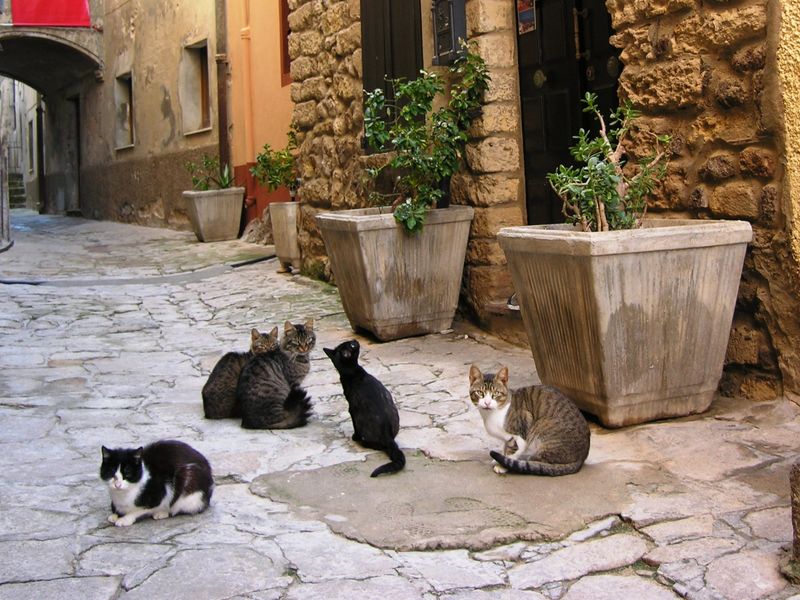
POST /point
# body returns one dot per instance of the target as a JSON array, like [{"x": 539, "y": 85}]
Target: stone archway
[
  {"x": 48, "y": 59},
  {"x": 56, "y": 63}
]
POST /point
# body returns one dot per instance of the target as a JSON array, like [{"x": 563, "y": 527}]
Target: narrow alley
[{"x": 108, "y": 334}]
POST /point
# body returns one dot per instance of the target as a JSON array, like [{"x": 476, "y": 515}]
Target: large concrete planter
[
  {"x": 633, "y": 325},
  {"x": 215, "y": 214},
  {"x": 392, "y": 283},
  {"x": 284, "y": 231}
]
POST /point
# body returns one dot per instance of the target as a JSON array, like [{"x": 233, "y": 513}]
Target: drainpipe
[
  {"x": 247, "y": 81},
  {"x": 247, "y": 78},
  {"x": 222, "y": 84}
]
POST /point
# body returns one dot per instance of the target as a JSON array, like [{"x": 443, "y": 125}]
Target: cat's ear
[
  {"x": 329, "y": 352},
  {"x": 288, "y": 327},
  {"x": 254, "y": 335},
  {"x": 106, "y": 452},
  {"x": 475, "y": 374},
  {"x": 137, "y": 454},
  {"x": 274, "y": 332},
  {"x": 310, "y": 324},
  {"x": 502, "y": 375}
]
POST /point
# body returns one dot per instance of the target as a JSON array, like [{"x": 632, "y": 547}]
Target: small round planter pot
[
  {"x": 215, "y": 215},
  {"x": 634, "y": 324},
  {"x": 392, "y": 283}
]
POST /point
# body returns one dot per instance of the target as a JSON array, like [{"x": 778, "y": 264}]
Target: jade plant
[
  {"x": 209, "y": 174},
  {"x": 276, "y": 168},
  {"x": 602, "y": 194},
  {"x": 426, "y": 145}
]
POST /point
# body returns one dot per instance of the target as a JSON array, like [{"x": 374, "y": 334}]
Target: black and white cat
[{"x": 161, "y": 480}]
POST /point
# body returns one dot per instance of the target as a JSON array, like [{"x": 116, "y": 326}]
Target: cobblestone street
[{"x": 108, "y": 333}]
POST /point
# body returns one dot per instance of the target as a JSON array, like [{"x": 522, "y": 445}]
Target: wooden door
[{"x": 565, "y": 54}]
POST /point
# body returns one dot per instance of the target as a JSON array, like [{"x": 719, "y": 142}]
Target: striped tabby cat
[
  {"x": 268, "y": 397},
  {"x": 297, "y": 343},
  {"x": 542, "y": 430},
  {"x": 219, "y": 392}
]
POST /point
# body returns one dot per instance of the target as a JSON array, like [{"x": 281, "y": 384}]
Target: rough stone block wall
[
  {"x": 698, "y": 70},
  {"x": 701, "y": 71},
  {"x": 325, "y": 50}
]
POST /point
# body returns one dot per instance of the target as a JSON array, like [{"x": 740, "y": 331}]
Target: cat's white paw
[
  {"x": 162, "y": 514},
  {"x": 112, "y": 518},
  {"x": 125, "y": 521},
  {"x": 500, "y": 469}
]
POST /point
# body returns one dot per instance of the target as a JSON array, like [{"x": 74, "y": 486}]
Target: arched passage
[
  {"x": 59, "y": 64},
  {"x": 45, "y": 62}
]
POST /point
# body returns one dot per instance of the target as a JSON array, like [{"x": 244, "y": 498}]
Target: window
[
  {"x": 391, "y": 41},
  {"x": 195, "y": 95},
  {"x": 123, "y": 99},
  {"x": 286, "y": 78}
]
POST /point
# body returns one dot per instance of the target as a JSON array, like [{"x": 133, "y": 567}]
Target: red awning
[{"x": 50, "y": 13}]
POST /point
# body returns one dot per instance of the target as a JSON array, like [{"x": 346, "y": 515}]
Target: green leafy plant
[
  {"x": 275, "y": 168},
  {"x": 426, "y": 145},
  {"x": 209, "y": 174},
  {"x": 601, "y": 194}
]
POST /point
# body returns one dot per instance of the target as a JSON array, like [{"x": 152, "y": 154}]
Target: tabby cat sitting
[
  {"x": 542, "y": 430},
  {"x": 219, "y": 392},
  {"x": 297, "y": 343},
  {"x": 268, "y": 393}
]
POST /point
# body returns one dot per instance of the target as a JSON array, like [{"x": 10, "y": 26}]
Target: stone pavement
[{"x": 108, "y": 333}]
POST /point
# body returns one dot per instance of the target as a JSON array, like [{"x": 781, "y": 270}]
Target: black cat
[
  {"x": 372, "y": 409},
  {"x": 161, "y": 480}
]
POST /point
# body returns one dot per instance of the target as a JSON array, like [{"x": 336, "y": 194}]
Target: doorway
[{"x": 564, "y": 52}]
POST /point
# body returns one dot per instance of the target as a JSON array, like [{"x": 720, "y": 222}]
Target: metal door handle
[{"x": 577, "y": 32}]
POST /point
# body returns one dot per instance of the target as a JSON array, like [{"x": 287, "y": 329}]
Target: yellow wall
[
  {"x": 789, "y": 68},
  {"x": 260, "y": 106}
]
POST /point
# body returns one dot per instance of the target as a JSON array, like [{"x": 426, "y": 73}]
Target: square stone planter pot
[
  {"x": 392, "y": 283},
  {"x": 215, "y": 215},
  {"x": 284, "y": 231},
  {"x": 633, "y": 325}
]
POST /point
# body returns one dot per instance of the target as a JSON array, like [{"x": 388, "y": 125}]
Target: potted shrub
[
  {"x": 398, "y": 267},
  {"x": 276, "y": 168},
  {"x": 214, "y": 206},
  {"x": 629, "y": 316}
]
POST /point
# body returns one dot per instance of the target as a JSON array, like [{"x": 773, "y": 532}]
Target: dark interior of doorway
[{"x": 564, "y": 52}]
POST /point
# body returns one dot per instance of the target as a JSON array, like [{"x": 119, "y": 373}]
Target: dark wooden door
[{"x": 565, "y": 55}]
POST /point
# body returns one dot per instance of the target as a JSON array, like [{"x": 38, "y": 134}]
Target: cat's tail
[
  {"x": 296, "y": 409},
  {"x": 535, "y": 467},
  {"x": 396, "y": 456},
  {"x": 295, "y": 412}
]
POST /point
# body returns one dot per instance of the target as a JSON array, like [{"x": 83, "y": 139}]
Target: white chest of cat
[{"x": 494, "y": 420}]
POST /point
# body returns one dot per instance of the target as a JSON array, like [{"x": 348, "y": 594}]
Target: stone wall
[
  {"x": 702, "y": 72},
  {"x": 325, "y": 49}
]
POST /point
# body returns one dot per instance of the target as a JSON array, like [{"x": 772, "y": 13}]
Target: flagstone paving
[{"x": 108, "y": 333}]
